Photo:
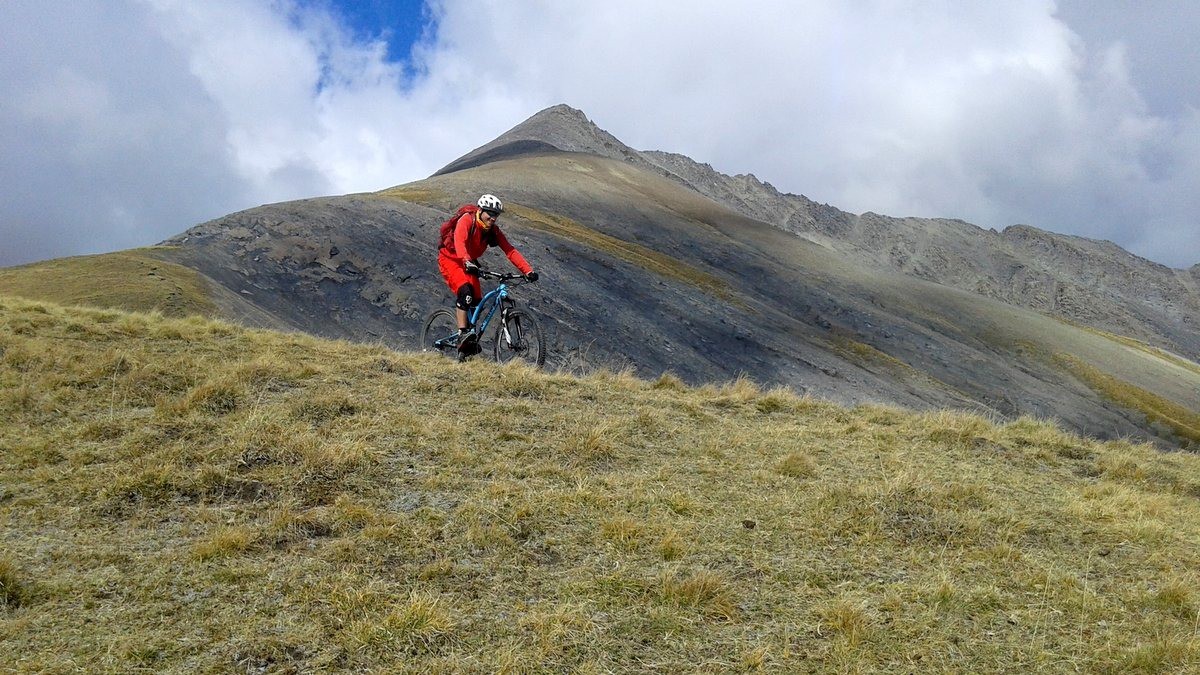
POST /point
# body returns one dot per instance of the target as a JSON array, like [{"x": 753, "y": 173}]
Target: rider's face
[{"x": 488, "y": 218}]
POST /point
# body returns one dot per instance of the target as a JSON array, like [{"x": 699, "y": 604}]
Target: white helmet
[{"x": 491, "y": 203}]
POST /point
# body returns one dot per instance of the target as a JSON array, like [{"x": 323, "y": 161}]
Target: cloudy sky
[{"x": 123, "y": 122}]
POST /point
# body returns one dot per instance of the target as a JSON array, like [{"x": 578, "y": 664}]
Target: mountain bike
[{"x": 518, "y": 334}]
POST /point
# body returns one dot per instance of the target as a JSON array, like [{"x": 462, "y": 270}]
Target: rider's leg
[
  {"x": 466, "y": 298},
  {"x": 465, "y": 287}
]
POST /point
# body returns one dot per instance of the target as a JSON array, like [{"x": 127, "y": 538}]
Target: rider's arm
[
  {"x": 513, "y": 254},
  {"x": 462, "y": 228}
]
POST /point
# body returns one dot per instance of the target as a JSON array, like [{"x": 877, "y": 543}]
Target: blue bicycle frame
[{"x": 491, "y": 301}]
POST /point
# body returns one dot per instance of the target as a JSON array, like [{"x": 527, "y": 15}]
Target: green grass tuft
[
  {"x": 797, "y": 465},
  {"x": 417, "y": 625},
  {"x": 14, "y": 591},
  {"x": 706, "y": 591},
  {"x": 225, "y": 541}
]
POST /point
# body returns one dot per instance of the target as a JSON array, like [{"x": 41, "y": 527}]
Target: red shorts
[{"x": 456, "y": 276}]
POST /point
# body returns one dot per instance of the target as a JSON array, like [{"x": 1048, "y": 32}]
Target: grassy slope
[
  {"x": 132, "y": 280},
  {"x": 186, "y": 495}
]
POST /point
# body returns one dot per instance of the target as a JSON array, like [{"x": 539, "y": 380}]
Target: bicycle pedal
[{"x": 468, "y": 343}]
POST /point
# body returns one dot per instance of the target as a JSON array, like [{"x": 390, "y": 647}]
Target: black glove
[
  {"x": 532, "y": 276},
  {"x": 472, "y": 267}
]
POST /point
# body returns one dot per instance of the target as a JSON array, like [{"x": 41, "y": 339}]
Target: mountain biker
[{"x": 474, "y": 231}]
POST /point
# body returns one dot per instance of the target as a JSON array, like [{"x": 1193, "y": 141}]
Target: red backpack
[{"x": 446, "y": 234}]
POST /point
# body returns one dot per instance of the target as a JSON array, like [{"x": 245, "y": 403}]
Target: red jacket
[{"x": 470, "y": 241}]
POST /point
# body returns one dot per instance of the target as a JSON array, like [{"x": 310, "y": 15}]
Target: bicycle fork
[{"x": 511, "y": 337}]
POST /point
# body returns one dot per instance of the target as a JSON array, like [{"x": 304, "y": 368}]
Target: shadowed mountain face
[
  {"x": 653, "y": 262},
  {"x": 1092, "y": 282}
]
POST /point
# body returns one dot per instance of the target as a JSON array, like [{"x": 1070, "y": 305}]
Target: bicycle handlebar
[{"x": 505, "y": 276}]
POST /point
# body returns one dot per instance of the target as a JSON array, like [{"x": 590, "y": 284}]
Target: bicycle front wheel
[
  {"x": 439, "y": 333},
  {"x": 519, "y": 337}
]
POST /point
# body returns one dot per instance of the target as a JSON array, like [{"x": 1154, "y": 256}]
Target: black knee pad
[{"x": 466, "y": 297}]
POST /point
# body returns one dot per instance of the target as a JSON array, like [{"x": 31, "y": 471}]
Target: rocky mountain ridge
[{"x": 1090, "y": 281}]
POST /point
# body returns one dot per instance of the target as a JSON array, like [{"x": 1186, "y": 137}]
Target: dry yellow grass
[
  {"x": 861, "y": 353},
  {"x": 184, "y": 495},
  {"x": 420, "y": 195},
  {"x": 1142, "y": 347},
  {"x": 132, "y": 280},
  {"x": 1181, "y": 421}
]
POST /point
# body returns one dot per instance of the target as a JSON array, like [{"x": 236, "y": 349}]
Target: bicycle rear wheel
[
  {"x": 439, "y": 333},
  {"x": 519, "y": 337}
]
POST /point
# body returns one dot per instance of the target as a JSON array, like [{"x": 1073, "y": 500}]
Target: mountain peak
[
  {"x": 562, "y": 110},
  {"x": 559, "y": 127}
]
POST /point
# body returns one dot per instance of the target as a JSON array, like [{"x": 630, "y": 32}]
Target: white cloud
[
  {"x": 992, "y": 112},
  {"x": 138, "y": 118},
  {"x": 99, "y": 145}
]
